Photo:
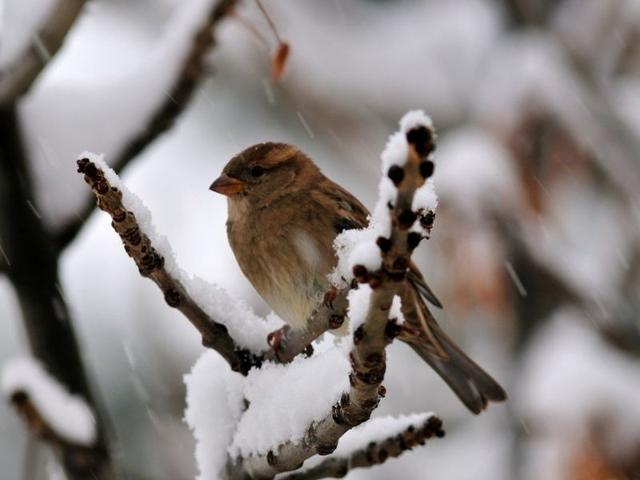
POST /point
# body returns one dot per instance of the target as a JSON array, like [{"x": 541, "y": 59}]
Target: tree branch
[
  {"x": 19, "y": 77},
  {"x": 370, "y": 339},
  {"x": 375, "y": 453},
  {"x": 175, "y": 102},
  {"x": 151, "y": 264},
  {"x": 33, "y": 273}
]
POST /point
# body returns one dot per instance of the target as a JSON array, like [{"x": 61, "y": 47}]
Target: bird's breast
[{"x": 285, "y": 264}]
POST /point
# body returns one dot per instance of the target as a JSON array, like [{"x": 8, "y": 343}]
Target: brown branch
[
  {"x": 368, "y": 358},
  {"x": 175, "y": 102},
  {"x": 287, "y": 342},
  {"x": 151, "y": 264},
  {"x": 33, "y": 272},
  {"x": 79, "y": 460},
  {"x": 19, "y": 76},
  {"x": 375, "y": 453}
]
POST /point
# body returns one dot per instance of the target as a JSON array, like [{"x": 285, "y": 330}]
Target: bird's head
[{"x": 265, "y": 172}]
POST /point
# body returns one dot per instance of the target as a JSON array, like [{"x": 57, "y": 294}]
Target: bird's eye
[{"x": 257, "y": 171}]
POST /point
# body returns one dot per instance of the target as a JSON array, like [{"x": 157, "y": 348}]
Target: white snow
[
  {"x": 67, "y": 415},
  {"x": 285, "y": 399},
  {"x": 396, "y": 310},
  {"x": 358, "y": 306},
  {"x": 366, "y": 253},
  {"x": 345, "y": 245},
  {"x": 425, "y": 197},
  {"x": 245, "y": 327},
  {"x": 377, "y": 430},
  {"x": 397, "y": 148},
  {"x": 395, "y": 152},
  {"x": 214, "y": 406},
  {"x": 413, "y": 119}
]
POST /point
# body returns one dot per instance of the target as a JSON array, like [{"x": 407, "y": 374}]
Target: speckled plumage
[{"x": 283, "y": 216}]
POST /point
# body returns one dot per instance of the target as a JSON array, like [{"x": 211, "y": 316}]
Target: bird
[{"x": 283, "y": 215}]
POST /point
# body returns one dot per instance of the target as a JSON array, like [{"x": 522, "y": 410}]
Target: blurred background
[{"x": 535, "y": 251}]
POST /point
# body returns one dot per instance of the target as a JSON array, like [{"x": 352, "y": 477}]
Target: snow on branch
[
  {"x": 17, "y": 77},
  {"x": 52, "y": 414},
  {"x": 372, "y": 443},
  {"x": 379, "y": 261},
  {"x": 187, "y": 79},
  {"x": 207, "y": 307}
]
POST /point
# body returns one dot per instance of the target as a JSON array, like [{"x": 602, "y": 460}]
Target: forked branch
[{"x": 371, "y": 337}]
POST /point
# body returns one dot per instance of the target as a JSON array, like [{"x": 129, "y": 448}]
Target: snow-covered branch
[
  {"x": 187, "y": 79},
  {"x": 373, "y": 443},
  {"x": 17, "y": 77},
  {"x": 379, "y": 262},
  {"x": 135, "y": 235},
  {"x": 53, "y": 414}
]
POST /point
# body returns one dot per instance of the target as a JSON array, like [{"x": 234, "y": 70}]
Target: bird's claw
[{"x": 329, "y": 296}]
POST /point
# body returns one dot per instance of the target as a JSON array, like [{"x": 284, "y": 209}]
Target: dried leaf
[{"x": 279, "y": 61}]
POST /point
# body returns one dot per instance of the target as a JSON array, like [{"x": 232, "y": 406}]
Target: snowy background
[{"x": 535, "y": 251}]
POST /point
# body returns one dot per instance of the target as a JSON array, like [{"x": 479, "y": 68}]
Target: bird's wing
[
  {"x": 417, "y": 280},
  {"x": 345, "y": 211}
]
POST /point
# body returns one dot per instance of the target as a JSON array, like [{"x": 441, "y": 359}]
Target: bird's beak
[{"x": 227, "y": 185}]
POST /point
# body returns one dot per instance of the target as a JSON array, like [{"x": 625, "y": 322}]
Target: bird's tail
[{"x": 473, "y": 386}]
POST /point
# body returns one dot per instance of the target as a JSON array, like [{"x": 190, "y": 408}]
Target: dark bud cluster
[
  {"x": 413, "y": 240},
  {"x": 336, "y": 321},
  {"x": 426, "y": 168},
  {"x": 392, "y": 329},
  {"x": 422, "y": 139},
  {"x": 400, "y": 263},
  {"x": 396, "y": 174},
  {"x": 406, "y": 218},
  {"x": 384, "y": 244},
  {"x": 427, "y": 219},
  {"x": 361, "y": 273},
  {"x": 172, "y": 297}
]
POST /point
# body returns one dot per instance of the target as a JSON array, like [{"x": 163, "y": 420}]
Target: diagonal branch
[
  {"x": 375, "y": 453},
  {"x": 19, "y": 76},
  {"x": 175, "y": 102},
  {"x": 373, "y": 333},
  {"x": 151, "y": 264}
]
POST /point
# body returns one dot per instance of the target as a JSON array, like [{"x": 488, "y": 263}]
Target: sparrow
[{"x": 283, "y": 217}]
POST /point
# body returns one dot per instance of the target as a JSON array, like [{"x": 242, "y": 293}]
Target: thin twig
[
  {"x": 18, "y": 77},
  {"x": 269, "y": 20},
  {"x": 151, "y": 264},
  {"x": 375, "y": 453}
]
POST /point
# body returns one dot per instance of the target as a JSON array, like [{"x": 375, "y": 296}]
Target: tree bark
[{"x": 33, "y": 271}]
